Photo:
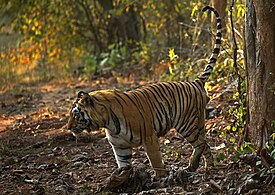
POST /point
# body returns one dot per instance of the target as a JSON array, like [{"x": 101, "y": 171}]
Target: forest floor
[{"x": 38, "y": 155}]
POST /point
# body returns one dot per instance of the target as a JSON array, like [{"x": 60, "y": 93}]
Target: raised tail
[{"x": 213, "y": 58}]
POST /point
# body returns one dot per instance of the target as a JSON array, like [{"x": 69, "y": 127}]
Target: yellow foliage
[{"x": 172, "y": 56}]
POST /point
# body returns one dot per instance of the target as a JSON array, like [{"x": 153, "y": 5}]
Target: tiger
[{"x": 139, "y": 116}]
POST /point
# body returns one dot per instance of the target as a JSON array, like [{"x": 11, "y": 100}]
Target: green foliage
[
  {"x": 220, "y": 157},
  {"x": 90, "y": 64},
  {"x": 270, "y": 145},
  {"x": 246, "y": 148},
  {"x": 166, "y": 146},
  {"x": 239, "y": 111},
  {"x": 169, "y": 150},
  {"x": 142, "y": 54},
  {"x": 114, "y": 57}
]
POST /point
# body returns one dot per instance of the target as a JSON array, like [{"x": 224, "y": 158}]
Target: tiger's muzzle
[{"x": 79, "y": 121}]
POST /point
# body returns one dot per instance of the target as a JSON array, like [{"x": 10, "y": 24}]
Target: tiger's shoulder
[{"x": 104, "y": 93}]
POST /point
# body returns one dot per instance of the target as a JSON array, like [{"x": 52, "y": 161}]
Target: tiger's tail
[{"x": 213, "y": 58}]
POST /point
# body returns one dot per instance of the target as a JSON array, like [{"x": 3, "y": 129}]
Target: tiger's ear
[
  {"x": 86, "y": 98},
  {"x": 81, "y": 94}
]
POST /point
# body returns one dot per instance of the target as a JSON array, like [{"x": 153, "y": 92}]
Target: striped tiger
[{"x": 139, "y": 116}]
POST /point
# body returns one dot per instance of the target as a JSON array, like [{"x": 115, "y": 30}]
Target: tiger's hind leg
[
  {"x": 198, "y": 143},
  {"x": 208, "y": 157},
  {"x": 196, "y": 137},
  {"x": 209, "y": 160}
]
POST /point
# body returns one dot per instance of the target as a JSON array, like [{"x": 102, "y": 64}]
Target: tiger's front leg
[
  {"x": 123, "y": 155},
  {"x": 122, "y": 150}
]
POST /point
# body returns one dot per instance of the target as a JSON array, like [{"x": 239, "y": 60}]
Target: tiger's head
[{"x": 85, "y": 114}]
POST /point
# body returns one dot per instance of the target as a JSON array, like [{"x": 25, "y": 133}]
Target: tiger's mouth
[
  {"x": 77, "y": 130},
  {"x": 88, "y": 127}
]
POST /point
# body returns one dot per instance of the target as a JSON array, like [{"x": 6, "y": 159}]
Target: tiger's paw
[
  {"x": 119, "y": 177},
  {"x": 128, "y": 179}
]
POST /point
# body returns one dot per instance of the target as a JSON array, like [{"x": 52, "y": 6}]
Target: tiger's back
[{"x": 169, "y": 104}]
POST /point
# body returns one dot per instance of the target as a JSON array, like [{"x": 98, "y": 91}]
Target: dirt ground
[{"x": 38, "y": 155}]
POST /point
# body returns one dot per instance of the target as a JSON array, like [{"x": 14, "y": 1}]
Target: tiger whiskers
[
  {"x": 76, "y": 140},
  {"x": 76, "y": 136}
]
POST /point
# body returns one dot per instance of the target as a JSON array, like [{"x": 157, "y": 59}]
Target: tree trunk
[
  {"x": 122, "y": 27},
  {"x": 260, "y": 63}
]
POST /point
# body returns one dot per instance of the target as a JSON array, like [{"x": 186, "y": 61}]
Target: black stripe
[
  {"x": 125, "y": 161},
  {"x": 129, "y": 127},
  {"x": 159, "y": 92},
  {"x": 163, "y": 89},
  {"x": 164, "y": 85},
  {"x": 202, "y": 143},
  {"x": 169, "y": 95},
  {"x": 122, "y": 148},
  {"x": 179, "y": 99},
  {"x": 187, "y": 125},
  {"x": 216, "y": 13},
  {"x": 163, "y": 97},
  {"x": 195, "y": 88},
  {"x": 121, "y": 105},
  {"x": 218, "y": 41},
  {"x": 124, "y": 157},
  {"x": 141, "y": 93},
  {"x": 174, "y": 99},
  {"x": 196, "y": 137},
  {"x": 116, "y": 121},
  {"x": 209, "y": 67},
  {"x": 123, "y": 99},
  {"x": 206, "y": 75},
  {"x": 157, "y": 103},
  {"x": 185, "y": 96},
  {"x": 200, "y": 83},
  {"x": 216, "y": 50},
  {"x": 136, "y": 96},
  {"x": 181, "y": 96},
  {"x": 140, "y": 133},
  {"x": 130, "y": 99},
  {"x": 95, "y": 98},
  {"x": 149, "y": 100},
  {"x": 212, "y": 60},
  {"x": 202, "y": 97},
  {"x": 137, "y": 101}
]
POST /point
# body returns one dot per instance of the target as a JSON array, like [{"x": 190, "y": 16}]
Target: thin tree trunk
[{"x": 260, "y": 62}]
